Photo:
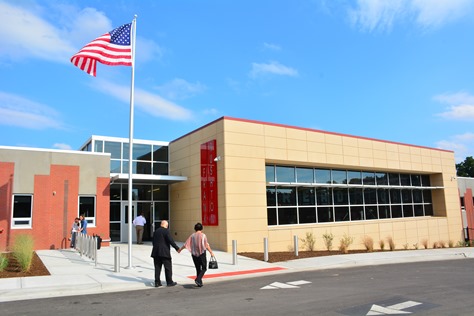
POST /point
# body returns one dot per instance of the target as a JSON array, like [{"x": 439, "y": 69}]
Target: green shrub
[
  {"x": 3, "y": 261},
  {"x": 345, "y": 242},
  {"x": 328, "y": 238},
  {"x": 23, "y": 251},
  {"x": 309, "y": 241}
]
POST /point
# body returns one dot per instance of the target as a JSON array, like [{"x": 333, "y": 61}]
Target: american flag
[{"x": 113, "y": 49}]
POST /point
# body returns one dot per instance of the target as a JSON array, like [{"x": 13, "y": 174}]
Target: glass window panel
[
  {"x": 382, "y": 196},
  {"x": 115, "y": 211},
  {"x": 141, "y": 152},
  {"x": 115, "y": 192},
  {"x": 143, "y": 191},
  {"x": 87, "y": 206},
  {"x": 143, "y": 167},
  {"x": 114, "y": 231},
  {"x": 22, "y": 206},
  {"x": 339, "y": 176},
  {"x": 341, "y": 214},
  {"x": 406, "y": 196},
  {"x": 125, "y": 151},
  {"x": 370, "y": 196},
  {"x": 427, "y": 196},
  {"x": 160, "y": 168},
  {"x": 271, "y": 196},
  {"x": 371, "y": 212},
  {"x": 418, "y": 210},
  {"x": 368, "y": 178},
  {"x": 395, "y": 197},
  {"x": 306, "y": 196},
  {"x": 394, "y": 179},
  {"x": 357, "y": 213},
  {"x": 114, "y": 148},
  {"x": 415, "y": 180},
  {"x": 287, "y": 216},
  {"x": 340, "y": 196},
  {"x": 325, "y": 214},
  {"x": 408, "y": 210},
  {"x": 161, "y": 211},
  {"x": 115, "y": 166},
  {"x": 396, "y": 211},
  {"x": 160, "y": 192},
  {"x": 304, "y": 175},
  {"x": 160, "y": 153},
  {"x": 425, "y": 181},
  {"x": 285, "y": 174},
  {"x": 428, "y": 209},
  {"x": 271, "y": 216},
  {"x": 405, "y": 179},
  {"x": 384, "y": 211},
  {"x": 324, "y": 196},
  {"x": 270, "y": 173},
  {"x": 286, "y": 196},
  {"x": 355, "y": 196},
  {"x": 381, "y": 178},
  {"x": 354, "y": 177},
  {"x": 417, "y": 196},
  {"x": 322, "y": 176},
  {"x": 99, "y": 146},
  {"x": 307, "y": 215}
]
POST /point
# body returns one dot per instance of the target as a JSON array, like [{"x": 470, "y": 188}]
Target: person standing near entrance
[
  {"x": 83, "y": 229},
  {"x": 139, "y": 223},
  {"x": 76, "y": 226},
  {"x": 197, "y": 245},
  {"x": 161, "y": 254}
]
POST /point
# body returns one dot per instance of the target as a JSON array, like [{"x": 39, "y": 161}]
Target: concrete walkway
[{"x": 73, "y": 274}]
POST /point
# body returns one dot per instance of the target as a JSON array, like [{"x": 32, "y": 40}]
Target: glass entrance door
[{"x": 125, "y": 224}]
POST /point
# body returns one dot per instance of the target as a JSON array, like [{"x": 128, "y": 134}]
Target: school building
[{"x": 244, "y": 180}]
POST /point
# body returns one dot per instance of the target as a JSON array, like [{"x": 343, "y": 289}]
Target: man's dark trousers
[
  {"x": 166, "y": 262},
  {"x": 200, "y": 263}
]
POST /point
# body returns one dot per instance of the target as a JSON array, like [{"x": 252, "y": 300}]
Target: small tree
[
  {"x": 345, "y": 242},
  {"x": 309, "y": 241},
  {"x": 465, "y": 168},
  {"x": 328, "y": 238}
]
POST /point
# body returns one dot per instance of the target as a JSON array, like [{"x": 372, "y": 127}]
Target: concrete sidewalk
[{"x": 72, "y": 274}]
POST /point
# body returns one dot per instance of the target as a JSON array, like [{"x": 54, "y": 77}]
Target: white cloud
[
  {"x": 271, "y": 46},
  {"x": 21, "y": 112},
  {"x": 34, "y": 36},
  {"x": 462, "y": 145},
  {"x": 383, "y": 14},
  {"x": 272, "y": 68},
  {"x": 460, "y": 106},
  {"x": 62, "y": 146},
  {"x": 181, "y": 89},
  {"x": 150, "y": 103}
]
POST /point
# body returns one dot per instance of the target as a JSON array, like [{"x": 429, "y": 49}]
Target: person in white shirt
[{"x": 139, "y": 223}]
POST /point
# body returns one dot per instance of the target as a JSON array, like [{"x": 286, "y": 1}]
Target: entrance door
[{"x": 125, "y": 224}]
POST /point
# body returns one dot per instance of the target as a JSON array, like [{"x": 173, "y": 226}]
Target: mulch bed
[
  {"x": 286, "y": 255},
  {"x": 13, "y": 269}
]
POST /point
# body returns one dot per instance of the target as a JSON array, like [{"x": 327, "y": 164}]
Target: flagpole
[{"x": 130, "y": 145}]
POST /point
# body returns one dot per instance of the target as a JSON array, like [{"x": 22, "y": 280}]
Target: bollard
[
  {"x": 116, "y": 259},
  {"x": 265, "y": 249},
  {"x": 95, "y": 251},
  {"x": 234, "y": 252},
  {"x": 295, "y": 241}
]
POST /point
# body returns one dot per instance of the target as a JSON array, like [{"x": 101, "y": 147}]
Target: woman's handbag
[{"x": 213, "y": 263}]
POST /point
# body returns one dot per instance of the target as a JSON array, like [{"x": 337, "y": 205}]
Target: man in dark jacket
[{"x": 161, "y": 254}]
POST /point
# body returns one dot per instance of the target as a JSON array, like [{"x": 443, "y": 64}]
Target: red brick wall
[
  {"x": 6, "y": 185},
  {"x": 468, "y": 205},
  {"x": 55, "y": 205}
]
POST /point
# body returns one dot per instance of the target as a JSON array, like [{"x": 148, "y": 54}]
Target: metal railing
[{"x": 87, "y": 246}]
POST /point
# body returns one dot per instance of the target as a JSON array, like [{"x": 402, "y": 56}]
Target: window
[
  {"x": 87, "y": 207},
  {"x": 22, "y": 210}
]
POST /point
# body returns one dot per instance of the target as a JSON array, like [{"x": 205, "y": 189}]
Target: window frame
[
  {"x": 91, "y": 220},
  {"x": 13, "y": 224}
]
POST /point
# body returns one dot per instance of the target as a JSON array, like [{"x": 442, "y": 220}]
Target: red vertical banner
[{"x": 209, "y": 207}]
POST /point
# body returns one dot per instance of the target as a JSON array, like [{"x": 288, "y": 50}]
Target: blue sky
[{"x": 397, "y": 70}]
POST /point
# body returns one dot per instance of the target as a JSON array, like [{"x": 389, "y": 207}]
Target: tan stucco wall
[
  {"x": 245, "y": 148},
  {"x": 32, "y": 161}
]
